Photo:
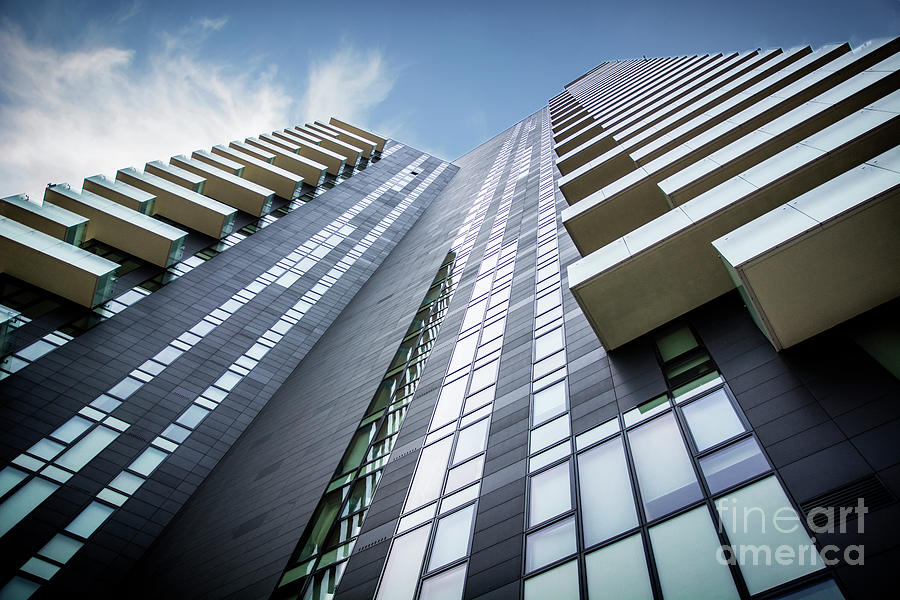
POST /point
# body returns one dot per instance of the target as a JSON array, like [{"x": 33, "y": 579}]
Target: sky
[{"x": 89, "y": 87}]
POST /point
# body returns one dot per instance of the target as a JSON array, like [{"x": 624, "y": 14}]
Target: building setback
[{"x": 642, "y": 344}]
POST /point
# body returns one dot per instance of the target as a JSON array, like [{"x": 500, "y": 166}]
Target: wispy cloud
[
  {"x": 213, "y": 24},
  {"x": 67, "y": 115},
  {"x": 347, "y": 84},
  {"x": 130, "y": 10}
]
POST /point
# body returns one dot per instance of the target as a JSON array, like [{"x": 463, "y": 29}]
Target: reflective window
[
  {"x": 550, "y": 494},
  {"x": 618, "y": 571},
  {"x": 90, "y": 519},
  {"x": 61, "y": 548},
  {"x": 192, "y": 416},
  {"x": 548, "y": 343},
  {"x": 712, "y": 419},
  {"x": 147, "y": 461},
  {"x": 451, "y": 540},
  {"x": 549, "y": 433},
  {"x": 449, "y": 403},
  {"x": 426, "y": 484},
  {"x": 551, "y": 455},
  {"x": 23, "y": 502},
  {"x": 549, "y": 402},
  {"x": 559, "y": 583},
  {"x": 71, "y": 429},
  {"x": 664, "y": 469},
  {"x": 471, "y": 441},
  {"x": 401, "y": 572},
  {"x": 676, "y": 343},
  {"x": 823, "y": 590},
  {"x": 87, "y": 448},
  {"x": 607, "y": 501},
  {"x": 761, "y": 517},
  {"x": 646, "y": 410},
  {"x": 463, "y": 353},
  {"x": 685, "y": 550},
  {"x": 484, "y": 376},
  {"x": 444, "y": 586},
  {"x": 550, "y": 544},
  {"x": 733, "y": 464},
  {"x": 464, "y": 474}
]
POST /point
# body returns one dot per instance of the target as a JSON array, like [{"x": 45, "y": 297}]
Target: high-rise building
[{"x": 642, "y": 344}]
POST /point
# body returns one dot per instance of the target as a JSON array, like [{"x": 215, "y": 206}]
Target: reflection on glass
[
  {"x": 607, "y": 500},
  {"x": 604, "y": 430},
  {"x": 464, "y": 474},
  {"x": 549, "y": 402},
  {"x": 550, "y": 544},
  {"x": 550, "y": 494},
  {"x": 685, "y": 551},
  {"x": 733, "y": 464},
  {"x": 449, "y": 403},
  {"x": 548, "y": 343},
  {"x": 646, "y": 410},
  {"x": 697, "y": 386},
  {"x": 445, "y": 586},
  {"x": 761, "y": 516},
  {"x": 90, "y": 519},
  {"x": 676, "y": 343},
  {"x": 549, "y": 433},
  {"x": 426, "y": 483},
  {"x": 664, "y": 470},
  {"x": 401, "y": 572},
  {"x": 618, "y": 571},
  {"x": 712, "y": 419},
  {"x": 318, "y": 525},
  {"x": 559, "y": 583},
  {"x": 471, "y": 441},
  {"x": 451, "y": 541},
  {"x": 551, "y": 455}
]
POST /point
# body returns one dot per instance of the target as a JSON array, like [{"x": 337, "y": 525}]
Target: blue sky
[{"x": 88, "y": 87}]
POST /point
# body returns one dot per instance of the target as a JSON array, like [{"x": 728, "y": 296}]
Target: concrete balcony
[
  {"x": 367, "y": 146},
  {"x": 115, "y": 225},
  {"x": 182, "y": 205},
  {"x": 228, "y": 188},
  {"x": 286, "y": 184},
  {"x": 54, "y": 265},
  {"x": 121, "y": 193},
  {"x": 332, "y": 160},
  {"x": 828, "y": 255},
  {"x": 367, "y": 135},
  {"x": 312, "y": 172},
  {"x": 57, "y": 222},
  {"x": 668, "y": 266}
]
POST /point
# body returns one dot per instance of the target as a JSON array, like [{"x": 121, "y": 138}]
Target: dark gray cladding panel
[
  {"x": 234, "y": 536},
  {"x": 41, "y": 397}
]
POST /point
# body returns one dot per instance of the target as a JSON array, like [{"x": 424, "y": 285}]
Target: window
[
  {"x": 559, "y": 583},
  {"x": 618, "y": 571},
  {"x": 733, "y": 464},
  {"x": 451, "y": 540},
  {"x": 607, "y": 502},
  {"x": 712, "y": 419},
  {"x": 550, "y": 544},
  {"x": 550, "y": 495}
]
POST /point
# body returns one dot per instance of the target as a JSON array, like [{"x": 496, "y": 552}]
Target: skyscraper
[{"x": 641, "y": 344}]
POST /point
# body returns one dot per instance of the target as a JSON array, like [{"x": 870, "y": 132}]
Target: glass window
[
  {"x": 357, "y": 448},
  {"x": 559, "y": 583},
  {"x": 549, "y": 433},
  {"x": 464, "y": 474},
  {"x": 484, "y": 376},
  {"x": 550, "y": 494},
  {"x": 127, "y": 482},
  {"x": 319, "y": 524},
  {"x": 459, "y": 498},
  {"x": 550, "y": 544},
  {"x": 176, "y": 433},
  {"x": 763, "y": 528},
  {"x": 61, "y": 548},
  {"x": 697, "y": 386},
  {"x": 448, "y": 403},
  {"x": 607, "y": 499},
  {"x": 147, "y": 461},
  {"x": 618, "y": 571},
  {"x": 71, "y": 429},
  {"x": 539, "y": 461},
  {"x": 10, "y": 478},
  {"x": 481, "y": 398},
  {"x": 644, "y": 411},
  {"x": 471, "y": 441},
  {"x": 676, "y": 343},
  {"x": 445, "y": 586},
  {"x": 192, "y": 416},
  {"x": 426, "y": 483},
  {"x": 46, "y": 449},
  {"x": 664, "y": 469},
  {"x": 23, "y": 502},
  {"x": 548, "y": 301},
  {"x": 416, "y": 518},
  {"x": 549, "y": 402},
  {"x": 685, "y": 549},
  {"x": 401, "y": 571},
  {"x": 733, "y": 464},
  {"x": 87, "y": 448},
  {"x": 604, "y": 430},
  {"x": 712, "y": 419},
  {"x": 463, "y": 352},
  {"x": 548, "y": 343},
  {"x": 451, "y": 540},
  {"x": 549, "y": 364},
  {"x": 90, "y": 519}
]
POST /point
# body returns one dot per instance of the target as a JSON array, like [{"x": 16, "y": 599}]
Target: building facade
[{"x": 656, "y": 320}]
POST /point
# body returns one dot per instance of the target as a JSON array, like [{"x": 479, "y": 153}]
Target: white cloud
[
  {"x": 68, "y": 115},
  {"x": 213, "y": 24},
  {"x": 346, "y": 85}
]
